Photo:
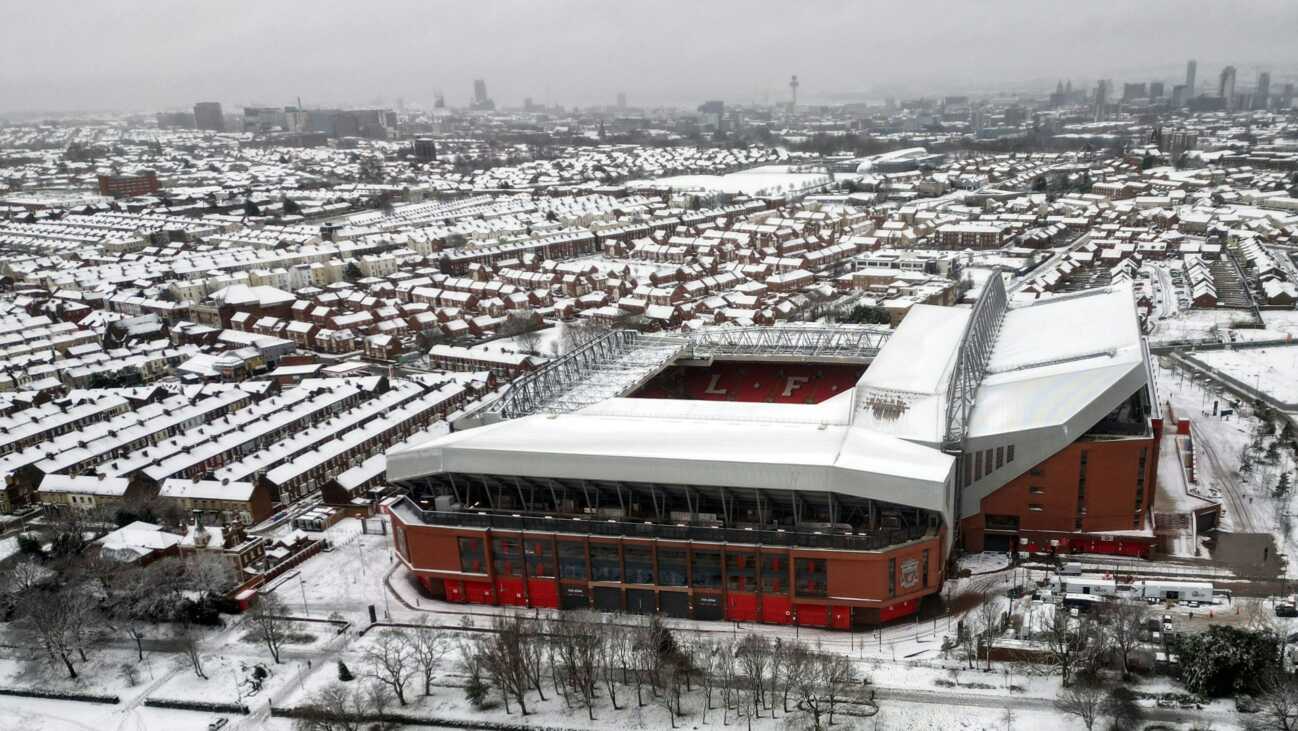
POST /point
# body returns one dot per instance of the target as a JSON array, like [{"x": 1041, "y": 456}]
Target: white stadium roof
[{"x": 1056, "y": 369}]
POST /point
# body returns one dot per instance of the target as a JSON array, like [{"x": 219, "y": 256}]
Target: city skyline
[{"x": 840, "y": 52}]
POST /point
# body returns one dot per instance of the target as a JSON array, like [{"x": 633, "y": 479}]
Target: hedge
[
  {"x": 60, "y": 695},
  {"x": 197, "y": 706}
]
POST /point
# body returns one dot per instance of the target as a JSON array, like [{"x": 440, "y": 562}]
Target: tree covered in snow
[{"x": 1226, "y": 660}]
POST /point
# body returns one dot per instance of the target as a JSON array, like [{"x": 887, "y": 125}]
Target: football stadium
[{"x": 809, "y": 474}]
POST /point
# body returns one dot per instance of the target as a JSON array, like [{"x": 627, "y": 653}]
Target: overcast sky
[{"x": 137, "y": 55}]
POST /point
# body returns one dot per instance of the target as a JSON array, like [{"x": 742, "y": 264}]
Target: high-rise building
[
  {"x": 480, "y": 99},
  {"x": 1179, "y": 95},
  {"x": 1226, "y": 88},
  {"x": 207, "y": 115},
  {"x": 1191, "y": 68},
  {"x": 621, "y": 100},
  {"x": 1134, "y": 91},
  {"x": 1262, "y": 97},
  {"x": 1155, "y": 90},
  {"x": 425, "y": 149},
  {"x": 183, "y": 120},
  {"x": 1101, "y": 100}
]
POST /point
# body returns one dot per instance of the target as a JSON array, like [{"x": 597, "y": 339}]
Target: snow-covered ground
[
  {"x": 1202, "y": 324},
  {"x": 1273, "y": 371},
  {"x": 1248, "y": 498},
  {"x": 918, "y": 685},
  {"x": 8, "y": 547}
]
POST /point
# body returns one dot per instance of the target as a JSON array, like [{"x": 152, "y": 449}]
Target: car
[
  {"x": 1286, "y": 610},
  {"x": 218, "y": 724}
]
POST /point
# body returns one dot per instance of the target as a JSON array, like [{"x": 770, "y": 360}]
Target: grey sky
[{"x": 131, "y": 54}]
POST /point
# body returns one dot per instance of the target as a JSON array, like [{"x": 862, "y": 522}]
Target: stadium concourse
[{"x": 813, "y": 476}]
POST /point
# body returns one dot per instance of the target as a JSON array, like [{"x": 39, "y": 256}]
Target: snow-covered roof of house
[
  {"x": 85, "y": 485},
  {"x": 206, "y": 489}
]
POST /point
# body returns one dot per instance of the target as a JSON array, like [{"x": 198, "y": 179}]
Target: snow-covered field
[
  {"x": 1202, "y": 324},
  {"x": 764, "y": 180},
  {"x": 1273, "y": 371},
  {"x": 918, "y": 685}
]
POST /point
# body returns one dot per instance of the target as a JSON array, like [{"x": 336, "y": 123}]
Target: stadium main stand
[{"x": 774, "y": 383}]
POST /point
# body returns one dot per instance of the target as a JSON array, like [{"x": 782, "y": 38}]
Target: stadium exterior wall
[
  {"x": 859, "y": 587},
  {"x": 1049, "y": 503}
]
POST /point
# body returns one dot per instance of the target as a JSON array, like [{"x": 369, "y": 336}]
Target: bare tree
[
  {"x": 726, "y": 668},
  {"x": 1278, "y": 697},
  {"x": 472, "y": 664},
  {"x": 577, "y": 643},
  {"x": 824, "y": 681},
  {"x": 429, "y": 647},
  {"x": 270, "y": 626},
  {"x": 533, "y": 653},
  {"x": 1073, "y": 645},
  {"x": 390, "y": 660},
  {"x": 25, "y": 576},
  {"x": 669, "y": 697},
  {"x": 708, "y": 658},
  {"x": 610, "y": 648},
  {"x": 988, "y": 620},
  {"x": 50, "y": 616},
  {"x": 797, "y": 659},
  {"x": 838, "y": 677},
  {"x": 503, "y": 659},
  {"x": 335, "y": 707},
  {"x": 1084, "y": 699},
  {"x": 187, "y": 637},
  {"x": 1125, "y": 620},
  {"x": 754, "y": 656},
  {"x": 778, "y": 670}
]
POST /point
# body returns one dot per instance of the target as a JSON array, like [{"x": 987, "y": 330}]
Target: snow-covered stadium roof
[{"x": 1057, "y": 367}]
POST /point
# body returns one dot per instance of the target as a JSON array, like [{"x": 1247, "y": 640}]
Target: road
[
  {"x": 1045, "y": 266},
  {"x": 947, "y": 697}
]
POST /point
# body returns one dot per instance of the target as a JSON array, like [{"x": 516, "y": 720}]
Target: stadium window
[
  {"x": 1036, "y": 490},
  {"x": 1000, "y": 457},
  {"x": 672, "y": 566},
  {"x": 968, "y": 470},
  {"x": 978, "y": 465},
  {"x": 892, "y": 577},
  {"x": 987, "y": 461},
  {"x": 1009, "y": 454},
  {"x": 605, "y": 564},
  {"x": 809, "y": 578},
  {"x": 572, "y": 560},
  {"x": 741, "y": 572},
  {"x": 775, "y": 573},
  {"x": 705, "y": 568},
  {"x": 472, "y": 558},
  {"x": 540, "y": 559},
  {"x": 1035, "y": 507},
  {"x": 1036, "y": 472},
  {"x": 507, "y": 556},
  {"x": 639, "y": 563},
  {"x": 925, "y": 567}
]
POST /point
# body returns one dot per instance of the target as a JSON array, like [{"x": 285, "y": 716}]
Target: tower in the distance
[
  {"x": 793, "y": 89},
  {"x": 1191, "y": 69}
]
